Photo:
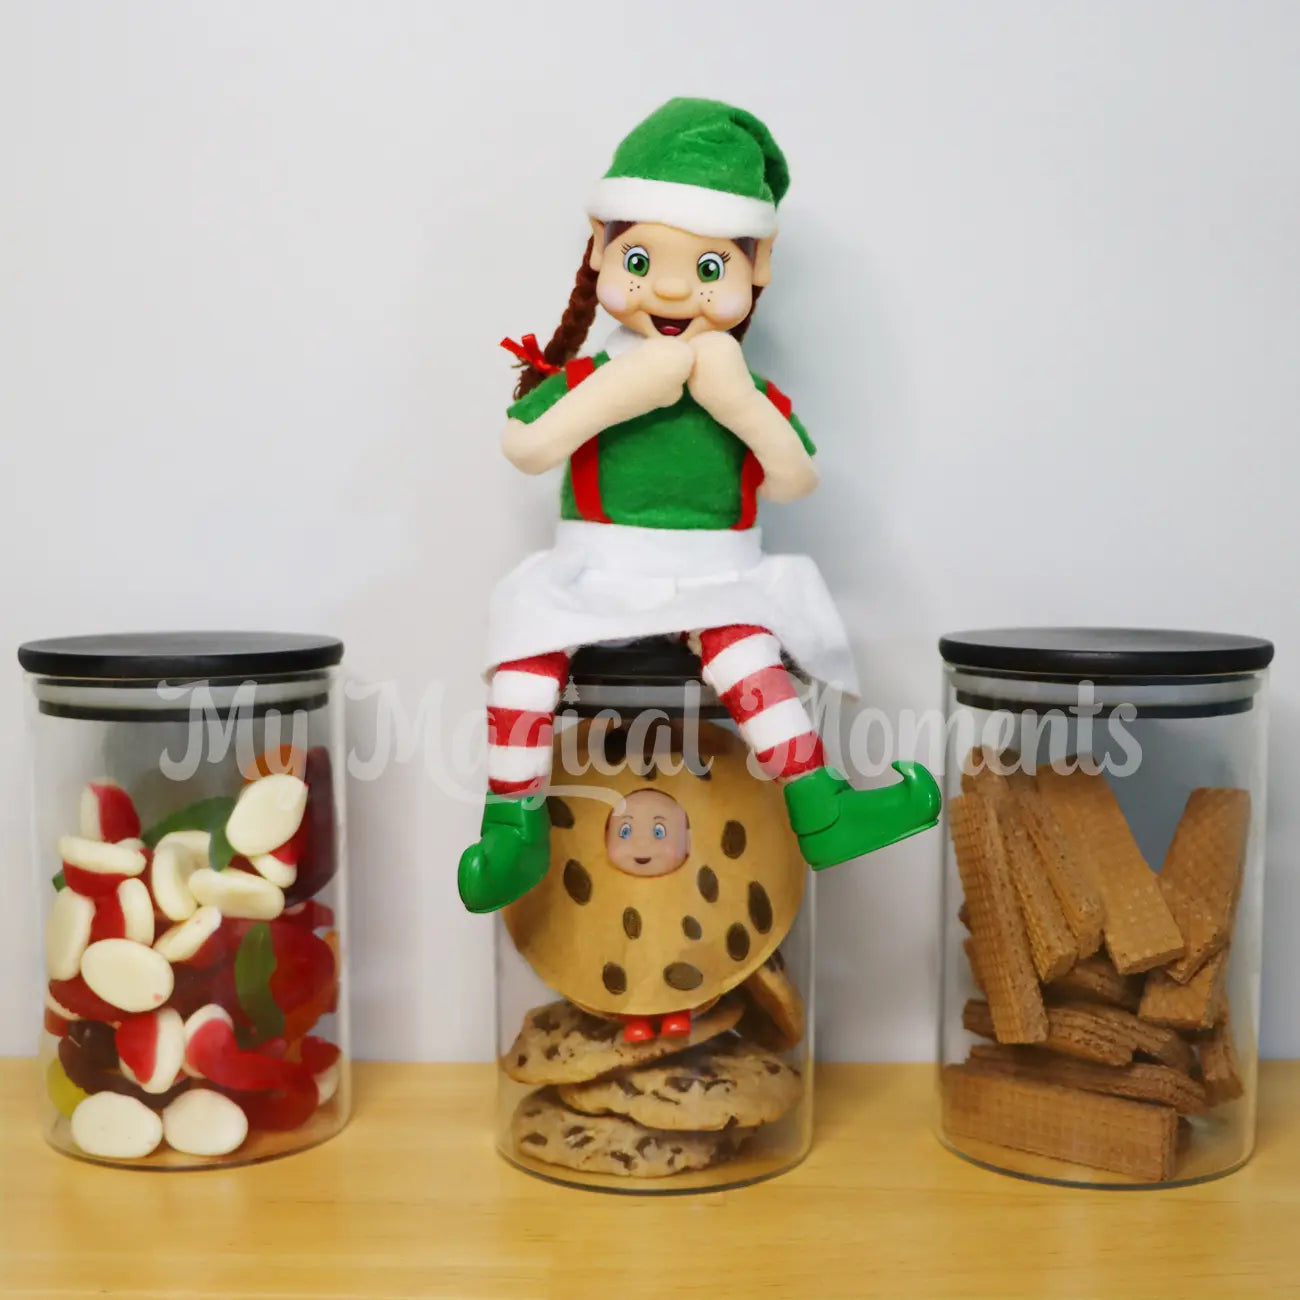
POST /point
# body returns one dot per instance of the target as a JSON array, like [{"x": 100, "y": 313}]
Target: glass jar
[
  {"x": 1102, "y": 902},
  {"x": 654, "y": 991},
  {"x": 189, "y": 841}
]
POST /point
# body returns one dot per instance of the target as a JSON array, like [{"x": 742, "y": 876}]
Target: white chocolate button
[
  {"x": 182, "y": 941},
  {"x": 67, "y": 932},
  {"x": 267, "y": 814},
  {"x": 153, "y": 1043},
  {"x": 204, "y": 1123},
  {"x": 177, "y": 857},
  {"x": 137, "y": 910},
  {"x": 116, "y": 1127},
  {"x": 237, "y": 893},
  {"x": 127, "y": 974},
  {"x": 327, "y": 1082},
  {"x": 100, "y": 859},
  {"x": 281, "y": 874}
]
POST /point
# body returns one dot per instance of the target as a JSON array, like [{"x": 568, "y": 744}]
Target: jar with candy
[
  {"x": 1103, "y": 901},
  {"x": 654, "y": 990},
  {"x": 188, "y": 838}
]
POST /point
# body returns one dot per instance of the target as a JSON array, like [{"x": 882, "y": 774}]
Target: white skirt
[{"x": 611, "y": 582}]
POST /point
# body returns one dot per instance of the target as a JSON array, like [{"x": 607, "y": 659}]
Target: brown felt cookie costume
[{"x": 643, "y": 945}]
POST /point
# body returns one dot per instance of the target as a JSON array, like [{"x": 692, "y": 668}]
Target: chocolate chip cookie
[
  {"x": 545, "y": 1129},
  {"x": 561, "y": 1044},
  {"x": 724, "y": 1084},
  {"x": 777, "y": 1019}
]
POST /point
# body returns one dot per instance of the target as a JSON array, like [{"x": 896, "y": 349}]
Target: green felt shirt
[{"x": 675, "y": 467}]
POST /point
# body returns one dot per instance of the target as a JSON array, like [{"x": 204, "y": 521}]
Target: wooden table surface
[{"x": 412, "y": 1201}]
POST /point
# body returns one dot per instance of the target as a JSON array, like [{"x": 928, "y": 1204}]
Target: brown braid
[
  {"x": 738, "y": 333},
  {"x": 571, "y": 332}
]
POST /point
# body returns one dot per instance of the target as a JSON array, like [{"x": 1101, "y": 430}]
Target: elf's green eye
[
  {"x": 710, "y": 268},
  {"x": 637, "y": 260}
]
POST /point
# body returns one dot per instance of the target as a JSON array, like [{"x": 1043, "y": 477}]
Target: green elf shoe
[
  {"x": 835, "y": 822},
  {"x": 511, "y": 856}
]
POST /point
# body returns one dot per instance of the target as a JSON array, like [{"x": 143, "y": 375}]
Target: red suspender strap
[
  {"x": 751, "y": 472},
  {"x": 578, "y": 369},
  {"x": 751, "y": 475},
  {"x": 778, "y": 399},
  {"x": 584, "y": 464}
]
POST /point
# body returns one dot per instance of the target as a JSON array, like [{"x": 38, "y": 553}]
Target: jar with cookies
[
  {"x": 189, "y": 850},
  {"x": 654, "y": 990},
  {"x": 1102, "y": 902}
]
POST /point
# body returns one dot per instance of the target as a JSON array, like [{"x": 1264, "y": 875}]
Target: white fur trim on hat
[{"x": 695, "y": 208}]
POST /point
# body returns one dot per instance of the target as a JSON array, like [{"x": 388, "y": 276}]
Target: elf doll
[{"x": 669, "y": 439}]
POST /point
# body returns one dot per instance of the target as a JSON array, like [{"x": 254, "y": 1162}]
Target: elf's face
[
  {"x": 658, "y": 280},
  {"x": 648, "y": 835}
]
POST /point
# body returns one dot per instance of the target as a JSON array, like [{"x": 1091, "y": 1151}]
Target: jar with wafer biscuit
[
  {"x": 654, "y": 990},
  {"x": 1102, "y": 902}
]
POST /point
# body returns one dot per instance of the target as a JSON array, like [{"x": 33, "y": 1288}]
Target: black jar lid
[
  {"x": 134, "y": 657},
  {"x": 656, "y": 658},
  {"x": 650, "y": 673},
  {"x": 1137, "y": 654}
]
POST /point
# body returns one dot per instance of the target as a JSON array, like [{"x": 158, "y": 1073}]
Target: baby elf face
[
  {"x": 648, "y": 834},
  {"x": 658, "y": 280}
]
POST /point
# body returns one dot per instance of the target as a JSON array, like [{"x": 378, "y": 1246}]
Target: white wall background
[{"x": 1036, "y": 296}]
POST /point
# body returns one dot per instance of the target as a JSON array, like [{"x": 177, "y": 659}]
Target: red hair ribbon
[{"x": 530, "y": 354}]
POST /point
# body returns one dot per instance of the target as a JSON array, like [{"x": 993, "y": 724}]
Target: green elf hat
[{"x": 698, "y": 165}]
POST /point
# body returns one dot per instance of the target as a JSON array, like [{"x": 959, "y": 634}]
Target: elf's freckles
[{"x": 611, "y": 297}]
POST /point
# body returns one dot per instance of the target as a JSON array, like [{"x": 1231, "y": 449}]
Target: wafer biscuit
[
  {"x": 972, "y": 960},
  {"x": 1051, "y": 942},
  {"x": 1220, "y": 1068},
  {"x": 1220, "y": 1006},
  {"x": 1078, "y": 896},
  {"x": 986, "y": 772},
  {"x": 1139, "y": 930},
  {"x": 1201, "y": 876},
  {"x": 1085, "y": 1128},
  {"x": 1073, "y": 1031},
  {"x": 1001, "y": 944},
  {"x": 1194, "y": 1005},
  {"x": 1095, "y": 979},
  {"x": 1157, "y": 1042},
  {"x": 1140, "y": 1080}
]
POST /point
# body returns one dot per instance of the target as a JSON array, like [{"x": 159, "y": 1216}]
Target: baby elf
[{"x": 669, "y": 439}]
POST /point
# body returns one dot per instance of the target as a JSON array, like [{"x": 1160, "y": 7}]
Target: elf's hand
[
  {"x": 723, "y": 386},
  {"x": 655, "y": 371},
  {"x": 720, "y": 375},
  {"x": 649, "y": 376}
]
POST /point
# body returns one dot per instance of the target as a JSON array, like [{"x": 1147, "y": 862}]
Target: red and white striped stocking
[
  {"x": 522, "y": 699},
  {"x": 743, "y": 665}
]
